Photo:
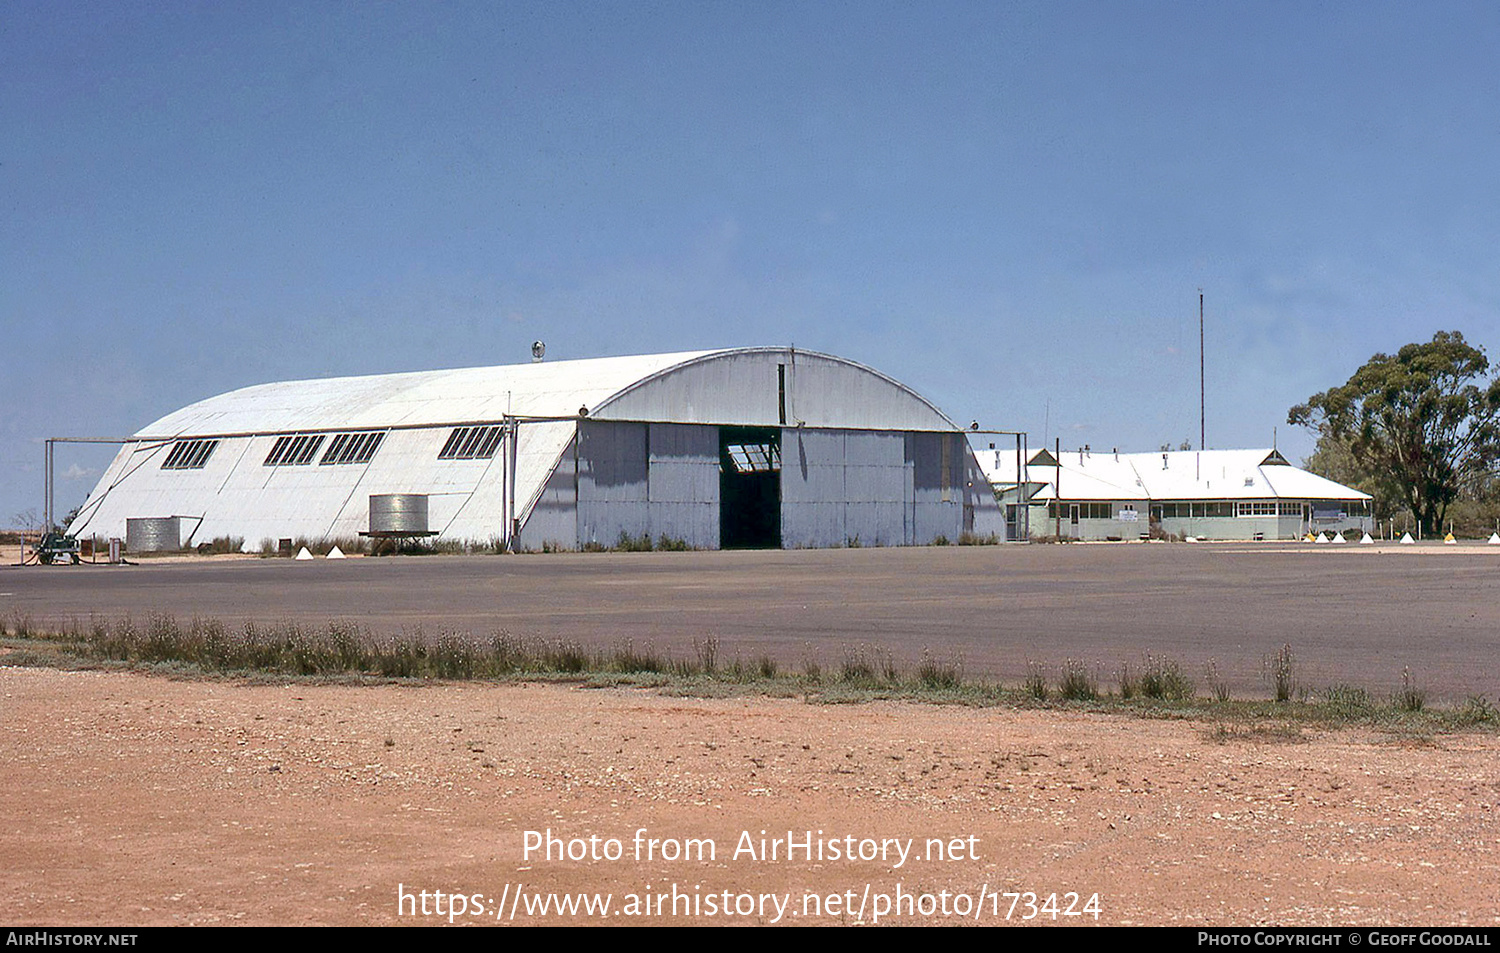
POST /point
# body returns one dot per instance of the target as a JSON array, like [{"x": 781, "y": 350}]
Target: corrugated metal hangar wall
[{"x": 822, "y": 487}]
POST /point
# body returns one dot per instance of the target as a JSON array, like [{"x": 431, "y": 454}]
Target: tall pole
[
  {"x": 1202, "y": 385},
  {"x": 47, "y": 502},
  {"x": 512, "y": 518},
  {"x": 1057, "y": 484},
  {"x": 1026, "y": 480},
  {"x": 1020, "y": 490}
]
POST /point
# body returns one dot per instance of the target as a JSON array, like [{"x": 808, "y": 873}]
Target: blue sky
[{"x": 1010, "y": 207}]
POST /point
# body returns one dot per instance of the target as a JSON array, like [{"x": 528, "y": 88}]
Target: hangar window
[
  {"x": 189, "y": 454},
  {"x": 294, "y": 451},
  {"x": 352, "y": 447},
  {"x": 471, "y": 443},
  {"x": 754, "y": 457}
]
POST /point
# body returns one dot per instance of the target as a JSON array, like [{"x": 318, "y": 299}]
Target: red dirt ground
[{"x": 136, "y": 800}]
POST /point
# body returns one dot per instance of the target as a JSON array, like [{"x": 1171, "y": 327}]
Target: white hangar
[{"x": 745, "y": 447}]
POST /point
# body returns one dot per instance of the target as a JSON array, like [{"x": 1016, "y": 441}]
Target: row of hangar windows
[
  {"x": 293, "y": 450},
  {"x": 296, "y": 450},
  {"x": 464, "y": 443}
]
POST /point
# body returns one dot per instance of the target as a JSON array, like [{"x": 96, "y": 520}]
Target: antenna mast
[{"x": 1202, "y": 385}]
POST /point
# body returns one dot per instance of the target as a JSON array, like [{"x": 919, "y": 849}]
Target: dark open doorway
[{"x": 749, "y": 488}]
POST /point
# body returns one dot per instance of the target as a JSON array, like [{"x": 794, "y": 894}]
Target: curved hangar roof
[
  {"x": 235, "y": 490},
  {"x": 737, "y": 386}
]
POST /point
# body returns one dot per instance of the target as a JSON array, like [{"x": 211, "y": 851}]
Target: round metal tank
[
  {"x": 398, "y": 513},
  {"x": 153, "y": 534}
]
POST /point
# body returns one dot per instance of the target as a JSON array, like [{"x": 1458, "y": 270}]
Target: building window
[
  {"x": 1086, "y": 511},
  {"x": 1291, "y": 509},
  {"x": 472, "y": 443},
  {"x": 294, "y": 451},
  {"x": 754, "y": 457},
  {"x": 189, "y": 454},
  {"x": 1257, "y": 508},
  {"x": 352, "y": 447}
]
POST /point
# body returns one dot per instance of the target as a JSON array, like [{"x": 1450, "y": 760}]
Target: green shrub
[{"x": 1348, "y": 701}]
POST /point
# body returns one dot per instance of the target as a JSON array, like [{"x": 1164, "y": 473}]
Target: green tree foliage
[
  {"x": 1333, "y": 459},
  {"x": 1425, "y": 423}
]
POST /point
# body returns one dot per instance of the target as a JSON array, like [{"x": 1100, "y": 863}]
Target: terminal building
[
  {"x": 1202, "y": 494},
  {"x": 759, "y": 447}
]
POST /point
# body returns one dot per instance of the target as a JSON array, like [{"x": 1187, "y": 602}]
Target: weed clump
[
  {"x": 220, "y": 545},
  {"x": 1348, "y": 701},
  {"x": 1164, "y": 680},
  {"x": 939, "y": 675},
  {"x": 811, "y": 670},
  {"x": 1216, "y": 683},
  {"x": 1035, "y": 685},
  {"x": 1477, "y": 710},
  {"x": 707, "y": 652},
  {"x": 628, "y": 660},
  {"x": 1410, "y": 698},
  {"x": 1078, "y": 683},
  {"x": 20, "y": 626},
  {"x": 1280, "y": 672},
  {"x": 856, "y": 669}
]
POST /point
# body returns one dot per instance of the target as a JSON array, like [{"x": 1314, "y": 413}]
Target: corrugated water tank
[
  {"x": 153, "y": 534},
  {"x": 398, "y": 513}
]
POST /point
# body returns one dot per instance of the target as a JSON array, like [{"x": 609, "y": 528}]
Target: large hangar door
[{"x": 749, "y": 488}]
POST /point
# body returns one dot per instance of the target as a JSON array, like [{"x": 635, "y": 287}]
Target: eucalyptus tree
[{"x": 1424, "y": 422}]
